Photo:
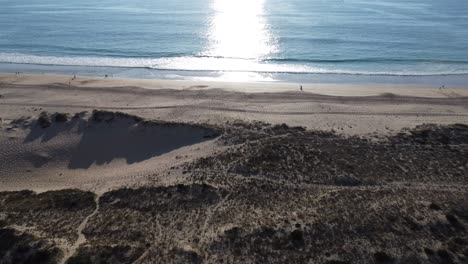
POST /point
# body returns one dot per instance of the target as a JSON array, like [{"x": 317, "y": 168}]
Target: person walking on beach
[{"x": 301, "y": 88}]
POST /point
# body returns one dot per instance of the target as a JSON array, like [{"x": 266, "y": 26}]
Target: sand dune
[
  {"x": 70, "y": 151},
  {"x": 269, "y": 193},
  {"x": 188, "y": 173}
]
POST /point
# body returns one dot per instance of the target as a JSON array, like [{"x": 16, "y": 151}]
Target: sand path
[{"x": 70, "y": 251}]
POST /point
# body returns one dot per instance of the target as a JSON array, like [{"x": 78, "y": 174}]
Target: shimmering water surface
[{"x": 387, "y": 41}]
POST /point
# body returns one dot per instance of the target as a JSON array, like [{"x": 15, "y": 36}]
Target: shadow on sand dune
[
  {"x": 107, "y": 136},
  {"x": 103, "y": 142},
  {"x": 46, "y": 133}
]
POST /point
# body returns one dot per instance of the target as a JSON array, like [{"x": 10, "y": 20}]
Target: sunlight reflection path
[
  {"x": 239, "y": 34},
  {"x": 239, "y": 30}
]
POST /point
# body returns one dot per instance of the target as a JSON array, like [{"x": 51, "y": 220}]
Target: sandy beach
[
  {"x": 149, "y": 171},
  {"x": 346, "y": 109}
]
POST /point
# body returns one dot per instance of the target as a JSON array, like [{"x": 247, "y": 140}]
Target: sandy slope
[
  {"x": 90, "y": 154},
  {"x": 99, "y": 157},
  {"x": 275, "y": 194}
]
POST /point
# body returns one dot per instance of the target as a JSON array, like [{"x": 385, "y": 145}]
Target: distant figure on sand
[
  {"x": 301, "y": 88},
  {"x": 105, "y": 76}
]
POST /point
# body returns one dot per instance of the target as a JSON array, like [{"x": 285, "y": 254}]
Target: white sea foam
[{"x": 213, "y": 64}]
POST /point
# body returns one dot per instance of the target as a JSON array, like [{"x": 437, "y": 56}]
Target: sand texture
[{"x": 130, "y": 171}]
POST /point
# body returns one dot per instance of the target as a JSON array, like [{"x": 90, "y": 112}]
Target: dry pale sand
[
  {"x": 40, "y": 161},
  {"x": 351, "y": 109},
  {"x": 227, "y": 173}
]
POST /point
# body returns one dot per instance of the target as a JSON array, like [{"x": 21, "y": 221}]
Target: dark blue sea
[{"x": 332, "y": 41}]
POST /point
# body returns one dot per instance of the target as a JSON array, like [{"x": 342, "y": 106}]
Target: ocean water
[{"x": 386, "y": 41}]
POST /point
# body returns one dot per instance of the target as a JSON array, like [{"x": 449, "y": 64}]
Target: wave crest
[{"x": 223, "y": 64}]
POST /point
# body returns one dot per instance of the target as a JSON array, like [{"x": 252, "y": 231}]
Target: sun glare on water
[
  {"x": 239, "y": 30},
  {"x": 239, "y": 34}
]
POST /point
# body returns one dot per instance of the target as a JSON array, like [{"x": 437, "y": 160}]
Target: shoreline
[
  {"x": 242, "y": 87},
  {"x": 423, "y": 80}
]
